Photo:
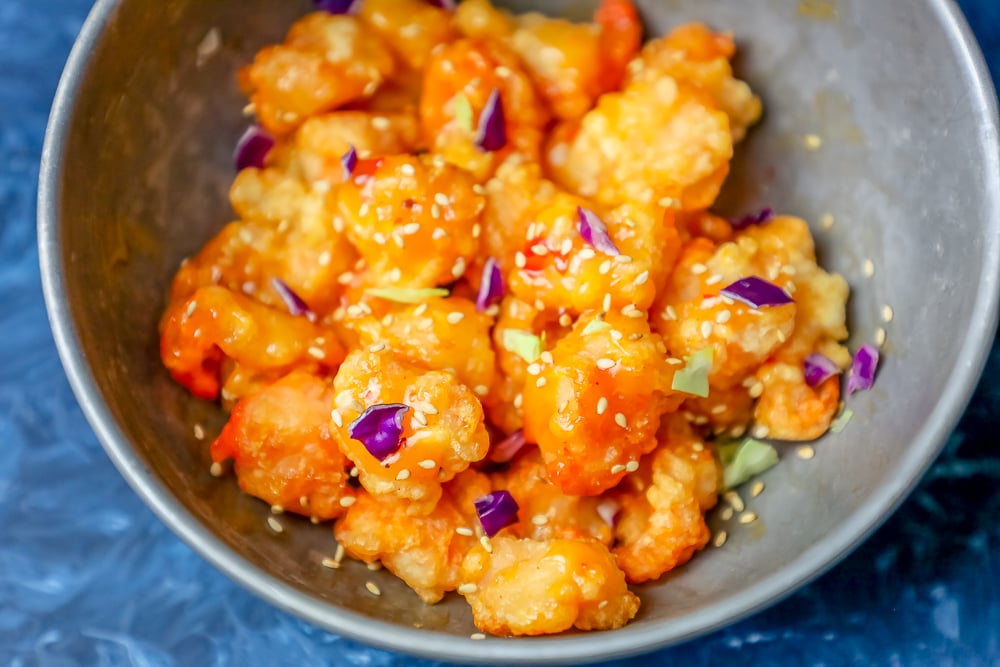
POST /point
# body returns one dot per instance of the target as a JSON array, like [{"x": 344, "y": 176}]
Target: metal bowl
[{"x": 134, "y": 174}]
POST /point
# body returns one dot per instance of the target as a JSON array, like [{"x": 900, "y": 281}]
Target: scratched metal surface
[{"x": 89, "y": 577}]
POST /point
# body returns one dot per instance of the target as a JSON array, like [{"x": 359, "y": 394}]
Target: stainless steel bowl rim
[{"x": 563, "y": 649}]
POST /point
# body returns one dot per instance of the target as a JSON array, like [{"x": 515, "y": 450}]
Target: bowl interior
[{"x": 137, "y": 169}]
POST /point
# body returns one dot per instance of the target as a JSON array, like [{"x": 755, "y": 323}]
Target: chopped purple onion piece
[
  {"x": 609, "y": 511},
  {"x": 491, "y": 287},
  {"x": 819, "y": 369},
  {"x": 758, "y": 218},
  {"x": 595, "y": 232},
  {"x": 862, "y": 374},
  {"x": 379, "y": 428},
  {"x": 444, "y": 4},
  {"x": 337, "y": 6},
  {"x": 349, "y": 161},
  {"x": 491, "y": 135},
  {"x": 496, "y": 510},
  {"x": 252, "y": 148},
  {"x": 296, "y": 306},
  {"x": 757, "y": 293},
  {"x": 508, "y": 448}
]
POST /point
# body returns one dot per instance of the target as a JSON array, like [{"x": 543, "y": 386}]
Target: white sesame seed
[
  {"x": 481, "y": 390},
  {"x": 669, "y": 313},
  {"x": 477, "y": 230},
  {"x": 407, "y": 168},
  {"x": 720, "y": 538},
  {"x": 706, "y": 329},
  {"x": 380, "y": 123},
  {"x": 338, "y": 555},
  {"x": 277, "y": 509},
  {"x": 631, "y": 311},
  {"x": 462, "y": 530},
  {"x": 436, "y": 213},
  {"x": 565, "y": 320},
  {"x": 539, "y": 304},
  {"x": 805, "y": 452},
  {"x": 191, "y": 307},
  {"x": 566, "y": 246},
  {"x": 540, "y": 382},
  {"x": 518, "y": 400},
  {"x": 727, "y": 513},
  {"x": 623, "y": 259},
  {"x": 427, "y": 464},
  {"x": 621, "y": 419},
  {"x": 734, "y": 499},
  {"x": 674, "y": 361},
  {"x": 761, "y": 431},
  {"x": 459, "y": 268},
  {"x": 372, "y": 588},
  {"x": 602, "y": 405},
  {"x": 698, "y": 269},
  {"x": 485, "y": 541},
  {"x": 199, "y": 432},
  {"x": 756, "y": 489},
  {"x": 374, "y": 566},
  {"x": 714, "y": 279},
  {"x": 410, "y": 228},
  {"x": 520, "y": 260},
  {"x": 586, "y": 253},
  {"x": 880, "y": 337},
  {"x": 616, "y": 335},
  {"x": 718, "y": 409},
  {"x": 534, "y": 369},
  {"x": 274, "y": 524},
  {"x": 441, "y": 199},
  {"x": 330, "y": 563},
  {"x": 887, "y": 313},
  {"x": 617, "y": 468},
  {"x": 354, "y": 471},
  {"x": 868, "y": 268},
  {"x": 467, "y": 589},
  {"x": 813, "y": 142},
  {"x": 304, "y": 501},
  {"x": 364, "y": 209},
  {"x": 347, "y": 501},
  {"x": 477, "y": 636},
  {"x": 602, "y": 604},
  {"x": 216, "y": 469},
  {"x": 723, "y": 316},
  {"x": 605, "y": 267},
  {"x": 642, "y": 278},
  {"x": 455, "y": 317},
  {"x": 747, "y": 517},
  {"x": 546, "y": 357},
  {"x": 430, "y": 409},
  {"x": 606, "y": 303},
  {"x": 604, "y": 363},
  {"x": 539, "y": 249},
  {"x": 539, "y": 519},
  {"x": 403, "y": 475},
  {"x": 631, "y": 466},
  {"x": 377, "y": 347}
]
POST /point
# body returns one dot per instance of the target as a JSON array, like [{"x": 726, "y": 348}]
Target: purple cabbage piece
[
  {"x": 295, "y": 304},
  {"x": 862, "y": 373},
  {"x": 508, "y": 448},
  {"x": 756, "y": 293},
  {"x": 491, "y": 287},
  {"x": 337, "y": 6},
  {"x": 496, "y": 510},
  {"x": 595, "y": 232},
  {"x": 491, "y": 135},
  {"x": 349, "y": 161},
  {"x": 758, "y": 218},
  {"x": 818, "y": 369},
  {"x": 379, "y": 428},
  {"x": 252, "y": 148}
]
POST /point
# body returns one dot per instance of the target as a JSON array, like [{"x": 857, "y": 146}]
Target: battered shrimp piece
[
  {"x": 696, "y": 55},
  {"x": 440, "y": 334},
  {"x": 215, "y": 324},
  {"x": 530, "y": 587},
  {"x": 414, "y": 220},
  {"x": 545, "y": 511},
  {"x": 557, "y": 268},
  {"x": 570, "y": 64},
  {"x": 660, "y": 525},
  {"x": 422, "y": 550},
  {"x": 788, "y": 408},
  {"x": 594, "y": 405},
  {"x": 283, "y": 453},
  {"x": 443, "y": 431},
  {"x": 301, "y": 247},
  {"x": 463, "y": 75},
  {"x": 325, "y": 62},
  {"x": 267, "y": 195},
  {"x": 515, "y": 191},
  {"x": 656, "y": 141},
  {"x": 322, "y": 140},
  {"x": 690, "y": 314},
  {"x": 723, "y": 410},
  {"x": 692, "y": 224},
  {"x": 411, "y": 27}
]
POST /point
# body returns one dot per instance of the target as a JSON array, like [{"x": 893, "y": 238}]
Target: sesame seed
[
  {"x": 436, "y": 213},
  {"x": 420, "y": 310},
  {"x": 698, "y": 269},
  {"x": 706, "y": 329},
  {"x": 616, "y": 335},
  {"x": 455, "y": 317},
  {"x": 631, "y": 466},
  {"x": 546, "y": 357},
  {"x": 605, "y": 267},
  {"x": 430, "y": 409},
  {"x": 478, "y": 189},
  {"x": 617, "y": 468},
  {"x": 540, "y": 382},
  {"x": 539, "y": 249},
  {"x": 199, "y": 432},
  {"x": 805, "y": 452},
  {"x": 314, "y": 520},
  {"x": 756, "y": 489},
  {"x": 377, "y": 347},
  {"x": 586, "y": 253},
  {"x": 734, "y": 500},
  {"x": 714, "y": 279},
  {"x": 304, "y": 501},
  {"x": 467, "y": 589},
  {"x": 756, "y": 389},
  {"x": 518, "y": 400},
  {"x": 405, "y": 168},
  {"x": 674, "y": 361},
  {"x": 347, "y": 501},
  {"x": 539, "y": 519},
  {"x": 485, "y": 541},
  {"x": 277, "y": 509},
  {"x": 605, "y": 363},
  {"x": 726, "y": 514},
  {"x": 462, "y": 530},
  {"x": 274, "y": 524},
  {"x": 338, "y": 555},
  {"x": 427, "y": 464},
  {"x": 363, "y": 211},
  {"x": 372, "y": 588},
  {"x": 566, "y": 246},
  {"x": 723, "y": 316},
  {"x": 330, "y": 563},
  {"x": 631, "y": 311},
  {"x": 410, "y": 228},
  {"x": 419, "y": 417},
  {"x": 621, "y": 419},
  {"x": 354, "y": 472},
  {"x": 459, "y": 267},
  {"x": 813, "y": 142},
  {"x": 477, "y": 636},
  {"x": 216, "y": 469},
  {"x": 403, "y": 475},
  {"x": 778, "y": 332},
  {"x": 602, "y": 405},
  {"x": 534, "y": 369},
  {"x": 747, "y": 517},
  {"x": 623, "y": 259},
  {"x": 191, "y": 307},
  {"x": 441, "y": 199},
  {"x": 868, "y": 268},
  {"x": 669, "y": 313},
  {"x": 720, "y": 538},
  {"x": 826, "y": 220},
  {"x": 718, "y": 409},
  {"x": 477, "y": 230},
  {"x": 602, "y": 604},
  {"x": 539, "y": 304},
  {"x": 880, "y": 336},
  {"x": 356, "y": 405},
  {"x": 481, "y": 390},
  {"x": 520, "y": 260},
  {"x": 398, "y": 240},
  {"x": 887, "y": 313},
  {"x": 380, "y": 123},
  {"x": 642, "y": 278}
]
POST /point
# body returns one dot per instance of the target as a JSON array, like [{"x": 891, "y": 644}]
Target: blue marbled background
[{"x": 88, "y": 576}]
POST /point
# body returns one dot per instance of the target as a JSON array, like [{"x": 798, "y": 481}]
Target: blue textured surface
[{"x": 88, "y": 576}]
